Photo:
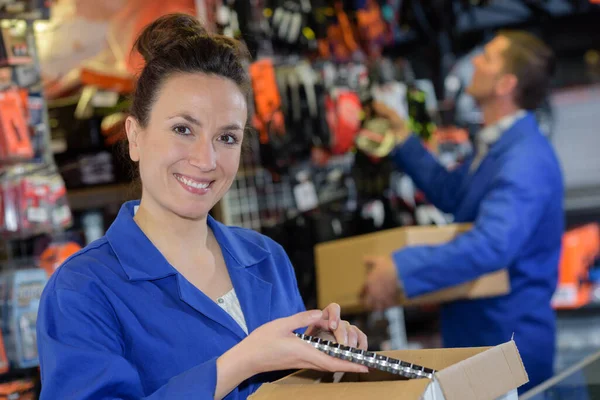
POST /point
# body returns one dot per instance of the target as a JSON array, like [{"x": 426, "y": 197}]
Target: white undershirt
[
  {"x": 231, "y": 304},
  {"x": 491, "y": 134},
  {"x": 228, "y": 302}
]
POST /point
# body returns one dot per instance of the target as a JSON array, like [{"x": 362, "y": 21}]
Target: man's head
[{"x": 514, "y": 67}]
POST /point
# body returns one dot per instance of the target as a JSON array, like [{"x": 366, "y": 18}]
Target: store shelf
[{"x": 100, "y": 196}]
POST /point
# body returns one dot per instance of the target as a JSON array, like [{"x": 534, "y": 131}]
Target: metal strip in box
[{"x": 370, "y": 359}]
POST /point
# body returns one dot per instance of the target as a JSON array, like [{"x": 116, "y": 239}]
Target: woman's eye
[
  {"x": 229, "y": 139},
  {"x": 182, "y": 130}
]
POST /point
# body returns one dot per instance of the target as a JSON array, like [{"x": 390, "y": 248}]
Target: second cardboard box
[{"x": 341, "y": 272}]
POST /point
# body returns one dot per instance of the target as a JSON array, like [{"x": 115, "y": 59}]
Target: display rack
[{"x": 17, "y": 20}]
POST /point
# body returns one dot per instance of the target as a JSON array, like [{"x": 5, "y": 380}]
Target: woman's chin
[{"x": 195, "y": 214}]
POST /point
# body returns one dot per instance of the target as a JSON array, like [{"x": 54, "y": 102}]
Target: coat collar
[
  {"x": 526, "y": 125},
  {"x": 141, "y": 260}
]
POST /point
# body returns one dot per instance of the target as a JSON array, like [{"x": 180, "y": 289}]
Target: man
[{"x": 512, "y": 191}]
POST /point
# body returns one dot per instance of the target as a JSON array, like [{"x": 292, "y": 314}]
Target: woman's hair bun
[{"x": 167, "y": 32}]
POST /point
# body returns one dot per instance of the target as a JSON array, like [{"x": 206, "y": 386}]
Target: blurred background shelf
[{"x": 107, "y": 196}]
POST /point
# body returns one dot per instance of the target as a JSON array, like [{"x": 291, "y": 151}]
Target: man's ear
[
  {"x": 132, "y": 128},
  {"x": 507, "y": 85}
]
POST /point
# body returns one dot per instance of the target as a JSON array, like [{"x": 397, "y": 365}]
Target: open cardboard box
[
  {"x": 483, "y": 373},
  {"x": 341, "y": 273}
]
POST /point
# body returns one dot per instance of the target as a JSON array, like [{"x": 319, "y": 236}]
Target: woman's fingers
[
  {"x": 332, "y": 313},
  {"x": 363, "y": 341},
  {"x": 353, "y": 336},
  {"x": 324, "y": 362}
]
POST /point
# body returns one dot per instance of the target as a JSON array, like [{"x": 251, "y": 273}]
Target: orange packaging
[
  {"x": 580, "y": 247},
  {"x": 14, "y": 131},
  {"x": 268, "y": 116},
  {"x": 17, "y": 390},
  {"x": 4, "y": 365},
  {"x": 56, "y": 254}
]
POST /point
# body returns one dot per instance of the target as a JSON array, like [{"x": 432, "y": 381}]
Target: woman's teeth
[{"x": 194, "y": 184}]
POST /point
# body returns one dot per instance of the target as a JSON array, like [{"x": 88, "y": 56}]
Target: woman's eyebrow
[
  {"x": 232, "y": 127},
  {"x": 188, "y": 118}
]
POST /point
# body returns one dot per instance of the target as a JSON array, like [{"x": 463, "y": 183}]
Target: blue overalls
[
  {"x": 117, "y": 321},
  {"x": 515, "y": 200}
]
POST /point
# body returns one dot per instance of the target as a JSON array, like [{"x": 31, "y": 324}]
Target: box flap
[
  {"x": 437, "y": 359},
  {"x": 400, "y": 390},
  {"x": 487, "y": 375}
]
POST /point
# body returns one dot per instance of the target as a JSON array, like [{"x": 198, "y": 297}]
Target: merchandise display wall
[{"x": 307, "y": 178}]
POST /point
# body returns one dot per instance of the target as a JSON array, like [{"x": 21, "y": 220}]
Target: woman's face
[{"x": 189, "y": 152}]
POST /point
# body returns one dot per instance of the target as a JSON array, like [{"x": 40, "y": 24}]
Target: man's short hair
[{"x": 533, "y": 63}]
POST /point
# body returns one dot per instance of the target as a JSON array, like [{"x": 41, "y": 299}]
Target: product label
[
  {"x": 61, "y": 215},
  {"x": 27, "y": 292},
  {"x": 36, "y": 214},
  {"x": 306, "y": 196},
  {"x": 565, "y": 295}
]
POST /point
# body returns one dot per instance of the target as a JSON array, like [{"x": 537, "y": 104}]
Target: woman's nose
[{"x": 203, "y": 155}]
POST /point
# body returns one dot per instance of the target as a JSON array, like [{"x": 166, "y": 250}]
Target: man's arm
[
  {"x": 507, "y": 217},
  {"x": 441, "y": 186}
]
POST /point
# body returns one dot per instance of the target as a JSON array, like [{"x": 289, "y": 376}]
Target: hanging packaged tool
[
  {"x": 15, "y": 143},
  {"x": 25, "y": 9},
  {"x": 341, "y": 44},
  {"x": 23, "y": 292},
  {"x": 14, "y": 48},
  {"x": 227, "y": 20},
  {"x": 373, "y": 31},
  {"x": 420, "y": 121},
  {"x": 268, "y": 118},
  {"x": 315, "y": 131},
  {"x": 344, "y": 116},
  {"x": 34, "y": 201},
  {"x": 290, "y": 23},
  {"x": 56, "y": 253}
]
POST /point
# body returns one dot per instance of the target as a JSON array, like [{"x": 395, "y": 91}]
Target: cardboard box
[
  {"x": 341, "y": 273},
  {"x": 485, "y": 373}
]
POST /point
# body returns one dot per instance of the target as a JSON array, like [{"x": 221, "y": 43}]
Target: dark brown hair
[
  {"x": 178, "y": 43},
  {"x": 175, "y": 44},
  {"x": 533, "y": 63}
]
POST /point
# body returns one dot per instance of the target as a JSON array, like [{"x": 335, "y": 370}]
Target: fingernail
[
  {"x": 316, "y": 314},
  {"x": 364, "y": 370},
  {"x": 334, "y": 325}
]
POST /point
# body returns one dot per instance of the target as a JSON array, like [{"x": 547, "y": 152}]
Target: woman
[{"x": 170, "y": 304}]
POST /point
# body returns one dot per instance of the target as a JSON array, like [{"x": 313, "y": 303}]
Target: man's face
[{"x": 488, "y": 71}]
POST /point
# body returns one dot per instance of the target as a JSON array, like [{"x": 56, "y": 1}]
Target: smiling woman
[
  {"x": 171, "y": 304},
  {"x": 189, "y": 149}
]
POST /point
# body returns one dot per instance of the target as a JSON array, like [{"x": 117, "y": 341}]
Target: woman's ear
[{"x": 132, "y": 128}]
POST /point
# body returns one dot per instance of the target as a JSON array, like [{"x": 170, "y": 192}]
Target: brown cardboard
[
  {"x": 341, "y": 272},
  {"x": 465, "y": 374}
]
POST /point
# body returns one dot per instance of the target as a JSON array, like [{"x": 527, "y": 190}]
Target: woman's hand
[
  {"x": 275, "y": 347},
  {"x": 332, "y": 327}
]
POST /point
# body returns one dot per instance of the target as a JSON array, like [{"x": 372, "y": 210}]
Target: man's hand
[
  {"x": 381, "y": 289},
  {"x": 398, "y": 125}
]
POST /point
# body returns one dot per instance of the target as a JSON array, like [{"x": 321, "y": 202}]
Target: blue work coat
[
  {"x": 515, "y": 200},
  {"x": 117, "y": 321}
]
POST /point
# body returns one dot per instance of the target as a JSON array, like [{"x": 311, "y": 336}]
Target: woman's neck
[{"x": 175, "y": 237}]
